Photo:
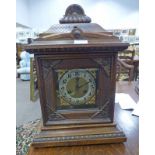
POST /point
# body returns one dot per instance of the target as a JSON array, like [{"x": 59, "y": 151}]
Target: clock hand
[
  {"x": 83, "y": 84},
  {"x": 77, "y": 84}
]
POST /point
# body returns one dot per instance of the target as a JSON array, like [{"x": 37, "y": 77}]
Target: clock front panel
[{"x": 76, "y": 90}]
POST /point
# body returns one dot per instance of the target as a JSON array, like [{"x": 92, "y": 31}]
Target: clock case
[{"x": 77, "y": 46}]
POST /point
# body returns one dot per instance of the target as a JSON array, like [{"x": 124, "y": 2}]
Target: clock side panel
[{"x": 50, "y": 69}]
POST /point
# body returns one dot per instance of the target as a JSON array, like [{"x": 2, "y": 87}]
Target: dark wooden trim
[
  {"x": 74, "y": 50},
  {"x": 113, "y": 84},
  {"x": 41, "y": 89}
]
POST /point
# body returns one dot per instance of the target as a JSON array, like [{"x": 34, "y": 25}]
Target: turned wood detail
[
  {"x": 77, "y": 33},
  {"x": 75, "y": 14}
]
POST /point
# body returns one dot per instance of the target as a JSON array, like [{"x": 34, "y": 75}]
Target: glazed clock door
[{"x": 75, "y": 90}]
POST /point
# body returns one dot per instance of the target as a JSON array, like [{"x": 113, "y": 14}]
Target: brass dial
[{"x": 77, "y": 86}]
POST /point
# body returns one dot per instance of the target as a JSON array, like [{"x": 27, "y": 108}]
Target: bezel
[{"x": 81, "y": 73}]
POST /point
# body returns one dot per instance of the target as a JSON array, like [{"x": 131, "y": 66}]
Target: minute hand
[{"x": 83, "y": 84}]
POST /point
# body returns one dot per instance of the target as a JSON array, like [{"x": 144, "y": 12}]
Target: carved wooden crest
[{"x": 75, "y": 14}]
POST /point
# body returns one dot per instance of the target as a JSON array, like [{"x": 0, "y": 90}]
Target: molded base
[{"x": 78, "y": 135}]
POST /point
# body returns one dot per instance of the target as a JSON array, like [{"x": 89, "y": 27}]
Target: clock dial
[{"x": 77, "y": 86}]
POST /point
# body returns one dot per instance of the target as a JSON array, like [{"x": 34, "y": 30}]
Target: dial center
[{"x": 77, "y": 87}]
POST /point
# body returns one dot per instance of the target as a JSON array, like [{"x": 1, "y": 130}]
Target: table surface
[{"x": 123, "y": 118}]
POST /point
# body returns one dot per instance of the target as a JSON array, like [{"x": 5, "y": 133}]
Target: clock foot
[{"x": 97, "y": 134}]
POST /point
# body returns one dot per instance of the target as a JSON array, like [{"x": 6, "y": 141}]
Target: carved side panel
[{"x": 50, "y": 87}]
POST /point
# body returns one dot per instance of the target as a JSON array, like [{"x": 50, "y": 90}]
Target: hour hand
[{"x": 77, "y": 84}]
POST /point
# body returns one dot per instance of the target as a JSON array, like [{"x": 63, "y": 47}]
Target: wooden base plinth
[{"x": 78, "y": 135}]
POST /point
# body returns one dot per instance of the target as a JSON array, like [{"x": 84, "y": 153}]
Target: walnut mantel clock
[{"x": 76, "y": 66}]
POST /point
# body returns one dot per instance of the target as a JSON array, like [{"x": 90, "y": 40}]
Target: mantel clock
[{"x": 76, "y": 66}]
